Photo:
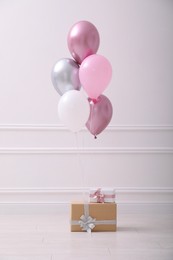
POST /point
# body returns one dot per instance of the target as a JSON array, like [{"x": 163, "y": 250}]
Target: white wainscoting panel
[
  {"x": 59, "y": 136},
  {"x": 37, "y": 162}
]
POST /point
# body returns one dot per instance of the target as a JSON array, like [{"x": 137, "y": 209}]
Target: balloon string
[
  {"x": 81, "y": 169},
  {"x": 91, "y": 116}
]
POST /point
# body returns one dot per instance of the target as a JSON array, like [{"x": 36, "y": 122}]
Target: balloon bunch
[{"x": 91, "y": 71}]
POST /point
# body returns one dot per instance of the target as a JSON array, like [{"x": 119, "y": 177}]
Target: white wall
[{"x": 36, "y": 152}]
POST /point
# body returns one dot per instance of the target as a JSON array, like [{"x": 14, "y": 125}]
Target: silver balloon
[{"x": 65, "y": 76}]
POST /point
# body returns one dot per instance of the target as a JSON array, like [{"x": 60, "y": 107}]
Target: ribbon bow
[
  {"x": 99, "y": 196},
  {"x": 87, "y": 223}
]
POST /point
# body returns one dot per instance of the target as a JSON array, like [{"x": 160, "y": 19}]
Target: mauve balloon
[
  {"x": 83, "y": 40},
  {"x": 100, "y": 114}
]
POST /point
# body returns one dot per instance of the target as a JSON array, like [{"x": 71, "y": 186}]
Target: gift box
[
  {"x": 102, "y": 195},
  {"x": 93, "y": 217}
]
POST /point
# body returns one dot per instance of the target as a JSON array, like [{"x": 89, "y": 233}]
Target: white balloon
[{"x": 74, "y": 110}]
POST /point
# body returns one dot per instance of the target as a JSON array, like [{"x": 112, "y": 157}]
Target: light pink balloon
[
  {"x": 95, "y": 74},
  {"x": 83, "y": 40},
  {"x": 100, "y": 115}
]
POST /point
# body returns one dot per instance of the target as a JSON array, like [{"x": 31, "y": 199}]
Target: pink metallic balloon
[
  {"x": 83, "y": 40},
  {"x": 95, "y": 74},
  {"x": 100, "y": 115}
]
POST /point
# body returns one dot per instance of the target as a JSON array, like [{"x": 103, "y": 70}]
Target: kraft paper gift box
[
  {"x": 93, "y": 217},
  {"x": 101, "y": 195}
]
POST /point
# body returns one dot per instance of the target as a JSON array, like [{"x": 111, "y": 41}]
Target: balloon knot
[
  {"x": 94, "y": 100},
  {"x": 95, "y": 137}
]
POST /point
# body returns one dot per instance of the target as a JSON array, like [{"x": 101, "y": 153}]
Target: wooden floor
[{"x": 47, "y": 237}]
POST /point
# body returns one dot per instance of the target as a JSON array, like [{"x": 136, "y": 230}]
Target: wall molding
[
  {"x": 124, "y": 195},
  {"x": 57, "y": 127},
  {"x": 100, "y": 150},
  {"x": 48, "y": 139}
]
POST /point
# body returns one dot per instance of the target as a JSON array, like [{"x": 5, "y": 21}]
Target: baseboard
[
  {"x": 57, "y": 201},
  {"x": 45, "y": 209},
  {"x": 124, "y": 195}
]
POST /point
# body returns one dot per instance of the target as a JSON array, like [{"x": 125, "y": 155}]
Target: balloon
[
  {"x": 65, "y": 76},
  {"x": 83, "y": 40},
  {"x": 100, "y": 115},
  {"x": 95, "y": 74},
  {"x": 73, "y": 110}
]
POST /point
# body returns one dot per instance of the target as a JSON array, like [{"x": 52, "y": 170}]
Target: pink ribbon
[{"x": 100, "y": 196}]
